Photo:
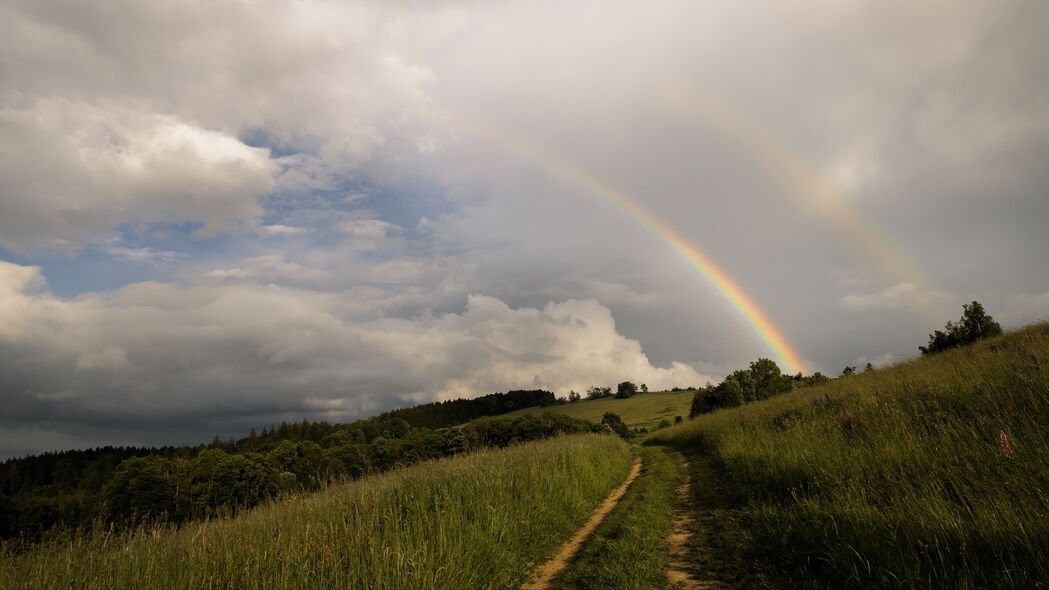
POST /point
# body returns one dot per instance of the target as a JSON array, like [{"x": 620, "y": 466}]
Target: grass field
[
  {"x": 476, "y": 521},
  {"x": 642, "y": 410},
  {"x": 629, "y": 549},
  {"x": 929, "y": 474}
]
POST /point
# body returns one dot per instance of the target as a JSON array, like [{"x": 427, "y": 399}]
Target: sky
[{"x": 223, "y": 214}]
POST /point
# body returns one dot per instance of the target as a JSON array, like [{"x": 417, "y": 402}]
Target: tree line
[{"x": 126, "y": 485}]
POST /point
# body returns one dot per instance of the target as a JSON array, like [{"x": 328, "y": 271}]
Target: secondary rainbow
[
  {"x": 715, "y": 114},
  {"x": 741, "y": 304}
]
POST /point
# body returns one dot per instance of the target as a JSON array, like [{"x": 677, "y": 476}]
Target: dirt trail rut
[
  {"x": 678, "y": 571},
  {"x": 543, "y": 576}
]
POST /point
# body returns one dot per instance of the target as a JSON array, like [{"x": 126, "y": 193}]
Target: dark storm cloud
[{"x": 351, "y": 244}]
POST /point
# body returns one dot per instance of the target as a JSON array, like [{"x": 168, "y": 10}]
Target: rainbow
[
  {"x": 741, "y": 304},
  {"x": 715, "y": 114}
]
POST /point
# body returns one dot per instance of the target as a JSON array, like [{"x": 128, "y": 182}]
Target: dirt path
[
  {"x": 678, "y": 572},
  {"x": 545, "y": 574}
]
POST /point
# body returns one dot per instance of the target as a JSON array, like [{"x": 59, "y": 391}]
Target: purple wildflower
[{"x": 1003, "y": 444}]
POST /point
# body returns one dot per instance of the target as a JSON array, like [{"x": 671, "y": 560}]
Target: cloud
[
  {"x": 271, "y": 267},
  {"x": 264, "y": 132},
  {"x": 285, "y": 231},
  {"x": 371, "y": 229},
  {"x": 1025, "y": 308},
  {"x": 365, "y": 234},
  {"x": 898, "y": 297},
  {"x": 211, "y": 358},
  {"x": 70, "y": 170},
  {"x": 881, "y": 360},
  {"x": 147, "y": 255}
]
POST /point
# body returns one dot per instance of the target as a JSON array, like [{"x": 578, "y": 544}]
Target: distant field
[
  {"x": 477, "y": 521},
  {"x": 642, "y": 410},
  {"x": 929, "y": 474}
]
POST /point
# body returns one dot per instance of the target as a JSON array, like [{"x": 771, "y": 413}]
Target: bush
[
  {"x": 616, "y": 424},
  {"x": 975, "y": 324}
]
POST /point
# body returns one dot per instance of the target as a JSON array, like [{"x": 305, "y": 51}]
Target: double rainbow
[
  {"x": 741, "y": 304},
  {"x": 711, "y": 113}
]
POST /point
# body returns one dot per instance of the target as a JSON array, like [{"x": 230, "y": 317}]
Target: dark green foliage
[
  {"x": 8, "y": 517},
  {"x": 975, "y": 324},
  {"x": 625, "y": 390},
  {"x": 457, "y": 411},
  {"x": 143, "y": 488},
  {"x": 768, "y": 380},
  {"x": 598, "y": 392},
  {"x": 760, "y": 381},
  {"x": 616, "y": 424},
  {"x": 573, "y": 396},
  {"x": 848, "y": 371},
  {"x": 78, "y": 487},
  {"x": 816, "y": 378},
  {"x": 220, "y": 481},
  {"x": 477, "y": 521}
]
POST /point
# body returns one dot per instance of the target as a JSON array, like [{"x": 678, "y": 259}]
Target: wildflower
[{"x": 1003, "y": 444}]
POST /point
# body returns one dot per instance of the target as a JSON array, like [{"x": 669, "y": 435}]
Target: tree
[
  {"x": 141, "y": 489},
  {"x": 224, "y": 481},
  {"x": 598, "y": 392},
  {"x": 768, "y": 380},
  {"x": 703, "y": 402},
  {"x": 625, "y": 390},
  {"x": 869, "y": 367},
  {"x": 975, "y": 324},
  {"x": 816, "y": 378},
  {"x": 616, "y": 424},
  {"x": 644, "y": 388},
  {"x": 736, "y": 389},
  {"x": 8, "y": 517},
  {"x": 848, "y": 371},
  {"x": 573, "y": 396}
]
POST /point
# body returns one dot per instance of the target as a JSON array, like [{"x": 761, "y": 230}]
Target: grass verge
[
  {"x": 628, "y": 550},
  {"x": 931, "y": 473},
  {"x": 476, "y": 521}
]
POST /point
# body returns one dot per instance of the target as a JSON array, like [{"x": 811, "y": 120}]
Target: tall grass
[
  {"x": 476, "y": 521},
  {"x": 629, "y": 550},
  {"x": 932, "y": 473}
]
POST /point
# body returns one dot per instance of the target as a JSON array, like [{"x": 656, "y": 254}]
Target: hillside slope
[
  {"x": 476, "y": 521},
  {"x": 931, "y": 473},
  {"x": 644, "y": 410}
]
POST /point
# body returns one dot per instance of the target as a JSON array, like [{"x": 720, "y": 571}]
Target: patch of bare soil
[
  {"x": 678, "y": 540},
  {"x": 544, "y": 575}
]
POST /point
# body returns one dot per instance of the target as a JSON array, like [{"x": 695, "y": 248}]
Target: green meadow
[
  {"x": 933, "y": 473},
  {"x": 644, "y": 410},
  {"x": 481, "y": 520}
]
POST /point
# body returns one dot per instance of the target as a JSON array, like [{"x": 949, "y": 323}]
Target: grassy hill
[
  {"x": 642, "y": 410},
  {"x": 931, "y": 473},
  {"x": 476, "y": 521}
]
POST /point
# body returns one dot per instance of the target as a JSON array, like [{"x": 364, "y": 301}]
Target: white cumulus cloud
[{"x": 174, "y": 355}]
